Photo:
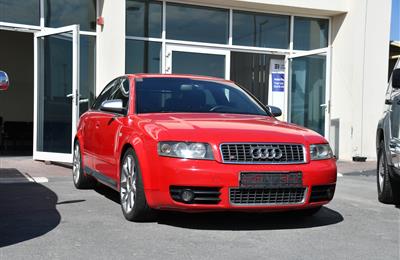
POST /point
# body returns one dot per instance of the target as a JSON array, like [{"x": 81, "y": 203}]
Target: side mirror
[
  {"x": 4, "y": 81},
  {"x": 396, "y": 78},
  {"x": 113, "y": 106},
  {"x": 275, "y": 111}
]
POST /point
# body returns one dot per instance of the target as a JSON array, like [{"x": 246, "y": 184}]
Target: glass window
[
  {"x": 87, "y": 74},
  {"x": 197, "y": 23},
  {"x": 261, "y": 30},
  {"x": 182, "y": 95},
  {"x": 143, "y": 18},
  {"x": 59, "y": 13},
  {"x": 142, "y": 57},
  {"x": 205, "y": 64},
  {"x": 310, "y": 33},
  {"x": 23, "y": 12}
]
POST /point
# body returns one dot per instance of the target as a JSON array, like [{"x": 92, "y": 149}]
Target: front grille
[
  {"x": 242, "y": 153},
  {"x": 202, "y": 195},
  {"x": 278, "y": 196}
]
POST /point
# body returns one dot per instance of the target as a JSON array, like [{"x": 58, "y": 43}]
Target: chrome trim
[
  {"x": 305, "y": 159},
  {"x": 302, "y": 202}
]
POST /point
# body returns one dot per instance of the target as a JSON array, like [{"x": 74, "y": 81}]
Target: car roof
[{"x": 188, "y": 76}]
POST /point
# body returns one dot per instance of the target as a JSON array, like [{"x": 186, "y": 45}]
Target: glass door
[
  {"x": 56, "y": 94},
  {"x": 197, "y": 61},
  {"x": 309, "y": 91}
]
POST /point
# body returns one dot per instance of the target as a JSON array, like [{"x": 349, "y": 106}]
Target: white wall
[
  {"x": 359, "y": 74},
  {"x": 110, "y": 49}
]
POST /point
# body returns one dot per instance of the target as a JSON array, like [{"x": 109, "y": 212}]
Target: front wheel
[
  {"x": 388, "y": 188},
  {"x": 133, "y": 200}
]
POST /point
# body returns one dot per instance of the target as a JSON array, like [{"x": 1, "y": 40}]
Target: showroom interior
[{"x": 291, "y": 55}]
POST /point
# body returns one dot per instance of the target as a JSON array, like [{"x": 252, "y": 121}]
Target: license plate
[{"x": 271, "y": 180}]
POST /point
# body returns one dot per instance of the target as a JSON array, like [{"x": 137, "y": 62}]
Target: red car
[{"x": 190, "y": 143}]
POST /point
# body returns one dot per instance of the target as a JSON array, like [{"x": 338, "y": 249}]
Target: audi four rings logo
[{"x": 266, "y": 152}]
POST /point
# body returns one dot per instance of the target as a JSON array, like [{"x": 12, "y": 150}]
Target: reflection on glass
[
  {"x": 142, "y": 57},
  {"x": 87, "y": 72},
  {"x": 197, "y": 23},
  {"x": 261, "y": 30},
  {"x": 251, "y": 71},
  {"x": 205, "y": 64},
  {"x": 308, "y": 92},
  {"x": 310, "y": 33},
  {"x": 59, "y": 13},
  {"x": 23, "y": 12},
  {"x": 143, "y": 18},
  {"x": 55, "y": 83}
]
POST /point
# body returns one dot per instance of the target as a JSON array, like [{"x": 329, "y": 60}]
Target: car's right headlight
[
  {"x": 320, "y": 152},
  {"x": 185, "y": 150}
]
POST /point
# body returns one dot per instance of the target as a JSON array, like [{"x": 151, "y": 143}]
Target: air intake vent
[
  {"x": 322, "y": 193},
  {"x": 279, "y": 196}
]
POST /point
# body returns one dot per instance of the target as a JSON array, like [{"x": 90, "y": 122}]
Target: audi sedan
[{"x": 190, "y": 143}]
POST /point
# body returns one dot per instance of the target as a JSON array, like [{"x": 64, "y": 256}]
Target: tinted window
[
  {"x": 87, "y": 71},
  {"x": 261, "y": 30},
  {"x": 143, "y": 18},
  {"x": 23, "y": 12},
  {"x": 142, "y": 57},
  {"x": 62, "y": 13},
  {"x": 206, "y": 64},
  {"x": 157, "y": 95},
  {"x": 310, "y": 33},
  {"x": 104, "y": 95},
  {"x": 197, "y": 23}
]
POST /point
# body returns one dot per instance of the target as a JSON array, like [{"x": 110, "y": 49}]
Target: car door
[
  {"x": 90, "y": 143},
  {"x": 108, "y": 126}
]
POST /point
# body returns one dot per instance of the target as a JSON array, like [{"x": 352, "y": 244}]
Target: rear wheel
[
  {"x": 133, "y": 200},
  {"x": 80, "y": 179},
  {"x": 388, "y": 188}
]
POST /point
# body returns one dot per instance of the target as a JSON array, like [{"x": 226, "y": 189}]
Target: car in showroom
[
  {"x": 192, "y": 143},
  {"x": 388, "y": 144}
]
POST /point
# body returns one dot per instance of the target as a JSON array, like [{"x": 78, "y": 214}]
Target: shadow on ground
[
  {"x": 27, "y": 210},
  {"x": 237, "y": 220}
]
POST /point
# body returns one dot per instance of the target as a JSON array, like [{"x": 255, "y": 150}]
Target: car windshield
[{"x": 185, "y": 95}]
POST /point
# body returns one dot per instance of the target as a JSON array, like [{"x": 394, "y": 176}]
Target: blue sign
[{"x": 278, "y": 82}]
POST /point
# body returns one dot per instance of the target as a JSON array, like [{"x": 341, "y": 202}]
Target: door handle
[
  {"x": 70, "y": 95},
  {"x": 81, "y": 101}
]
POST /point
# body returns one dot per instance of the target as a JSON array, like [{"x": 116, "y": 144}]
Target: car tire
[
  {"x": 388, "y": 188},
  {"x": 133, "y": 200},
  {"x": 309, "y": 212},
  {"x": 80, "y": 179}
]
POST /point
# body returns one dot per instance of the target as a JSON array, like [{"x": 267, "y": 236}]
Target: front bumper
[{"x": 173, "y": 172}]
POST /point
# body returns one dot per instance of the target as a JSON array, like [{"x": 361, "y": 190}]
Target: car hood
[{"x": 218, "y": 128}]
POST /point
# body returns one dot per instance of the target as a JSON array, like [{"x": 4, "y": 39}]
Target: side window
[
  {"x": 121, "y": 91},
  {"x": 104, "y": 95}
]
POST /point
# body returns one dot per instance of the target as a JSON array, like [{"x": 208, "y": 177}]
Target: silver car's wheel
[
  {"x": 128, "y": 184},
  {"x": 381, "y": 172},
  {"x": 76, "y": 167}
]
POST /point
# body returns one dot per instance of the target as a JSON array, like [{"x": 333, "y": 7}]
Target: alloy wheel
[
  {"x": 128, "y": 183},
  {"x": 76, "y": 167},
  {"x": 381, "y": 172}
]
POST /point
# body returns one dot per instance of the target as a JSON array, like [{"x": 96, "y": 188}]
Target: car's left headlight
[
  {"x": 320, "y": 152},
  {"x": 185, "y": 150}
]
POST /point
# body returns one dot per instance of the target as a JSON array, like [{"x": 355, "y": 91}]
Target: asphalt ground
[{"x": 52, "y": 220}]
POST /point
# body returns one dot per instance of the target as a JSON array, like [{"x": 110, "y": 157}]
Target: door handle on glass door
[
  {"x": 81, "y": 101},
  {"x": 70, "y": 95}
]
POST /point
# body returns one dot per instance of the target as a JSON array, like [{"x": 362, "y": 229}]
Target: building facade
[{"x": 324, "y": 63}]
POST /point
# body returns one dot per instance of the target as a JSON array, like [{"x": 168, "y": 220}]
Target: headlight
[
  {"x": 320, "y": 151},
  {"x": 185, "y": 150}
]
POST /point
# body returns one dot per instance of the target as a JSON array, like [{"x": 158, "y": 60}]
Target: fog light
[{"x": 187, "y": 195}]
